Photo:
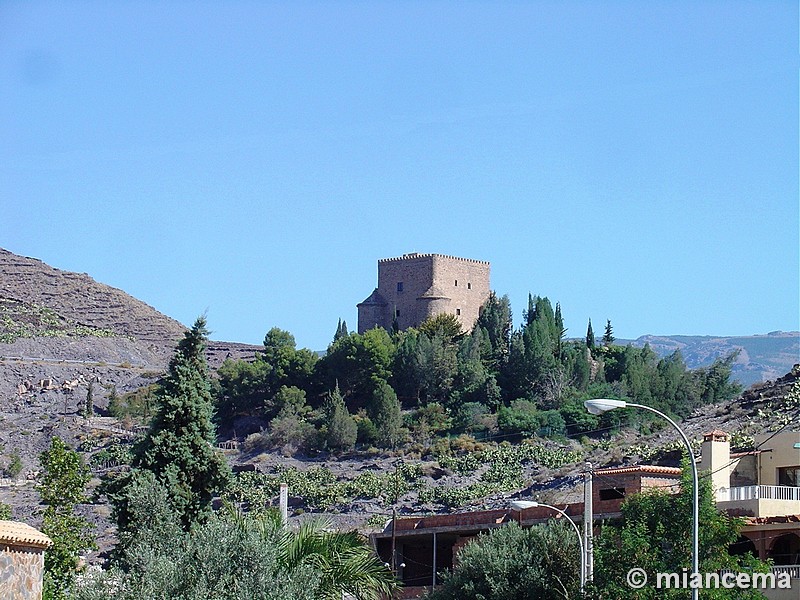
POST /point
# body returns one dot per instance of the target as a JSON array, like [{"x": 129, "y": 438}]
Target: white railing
[
  {"x": 756, "y": 492},
  {"x": 793, "y": 570}
]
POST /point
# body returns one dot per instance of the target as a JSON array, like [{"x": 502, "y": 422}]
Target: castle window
[
  {"x": 458, "y": 311},
  {"x": 469, "y": 286},
  {"x": 456, "y": 282},
  {"x": 396, "y": 312},
  {"x": 399, "y": 286}
]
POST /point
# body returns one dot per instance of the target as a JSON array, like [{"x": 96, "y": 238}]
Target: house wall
[
  {"x": 744, "y": 471},
  {"x": 21, "y": 572},
  {"x": 782, "y": 453},
  {"x": 760, "y": 507}
]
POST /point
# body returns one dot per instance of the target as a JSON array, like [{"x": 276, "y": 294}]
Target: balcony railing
[
  {"x": 756, "y": 492},
  {"x": 793, "y": 570}
]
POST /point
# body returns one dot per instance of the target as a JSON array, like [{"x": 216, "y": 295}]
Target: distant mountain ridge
[{"x": 761, "y": 357}]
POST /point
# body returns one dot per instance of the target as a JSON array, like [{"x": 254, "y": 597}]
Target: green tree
[
  {"x": 88, "y": 410},
  {"x": 341, "y": 331},
  {"x": 496, "y": 324},
  {"x": 438, "y": 360},
  {"x": 589, "y": 336},
  {"x": 224, "y": 558},
  {"x": 384, "y": 412},
  {"x": 407, "y": 368},
  {"x": 179, "y": 448},
  {"x": 608, "y": 335},
  {"x": 355, "y": 362},
  {"x": 249, "y": 388},
  {"x": 715, "y": 380},
  {"x": 342, "y": 430},
  {"x": 62, "y": 487},
  {"x": 560, "y": 329},
  {"x": 5, "y": 512},
  {"x": 14, "y": 467},
  {"x": 445, "y": 324},
  {"x": 666, "y": 518},
  {"x": 512, "y": 563},
  {"x": 290, "y": 429},
  {"x": 472, "y": 382}
]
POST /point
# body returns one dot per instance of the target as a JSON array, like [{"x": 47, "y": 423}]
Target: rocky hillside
[
  {"x": 55, "y": 300},
  {"x": 62, "y": 333}
]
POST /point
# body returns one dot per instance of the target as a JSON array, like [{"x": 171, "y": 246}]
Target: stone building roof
[
  {"x": 374, "y": 298},
  {"x": 19, "y": 534}
]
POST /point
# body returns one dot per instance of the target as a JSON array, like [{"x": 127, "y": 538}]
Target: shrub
[{"x": 14, "y": 467}]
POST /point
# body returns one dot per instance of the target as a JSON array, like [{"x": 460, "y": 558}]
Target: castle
[{"x": 415, "y": 287}]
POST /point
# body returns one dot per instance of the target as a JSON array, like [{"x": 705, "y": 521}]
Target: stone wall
[{"x": 21, "y": 572}]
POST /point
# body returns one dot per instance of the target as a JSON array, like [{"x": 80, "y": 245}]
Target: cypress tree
[
  {"x": 180, "y": 446},
  {"x": 384, "y": 412},
  {"x": 88, "y": 410},
  {"x": 560, "y": 330},
  {"x": 341, "y": 330},
  {"x": 590, "y": 336},
  {"x": 608, "y": 336},
  {"x": 342, "y": 428}
]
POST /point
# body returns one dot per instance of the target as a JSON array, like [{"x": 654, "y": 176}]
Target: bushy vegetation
[
  {"x": 494, "y": 382},
  {"x": 516, "y": 564},
  {"x": 232, "y": 556},
  {"x": 320, "y": 489}
]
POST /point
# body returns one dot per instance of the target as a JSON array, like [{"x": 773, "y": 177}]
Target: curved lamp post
[
  {"x": 601, "y": 405},
  {"x": 523, "y": 504}
]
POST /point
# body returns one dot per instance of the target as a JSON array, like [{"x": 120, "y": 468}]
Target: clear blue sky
[{"x": 636, "y": 161}]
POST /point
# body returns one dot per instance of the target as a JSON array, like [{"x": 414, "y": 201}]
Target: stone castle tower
[{"x": 415, "y": 287}]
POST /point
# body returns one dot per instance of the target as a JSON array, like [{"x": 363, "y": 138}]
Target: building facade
[{"x": 415, "y": 287}]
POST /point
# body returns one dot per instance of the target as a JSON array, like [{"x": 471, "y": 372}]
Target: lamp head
[{"x": 600, "y": 405}]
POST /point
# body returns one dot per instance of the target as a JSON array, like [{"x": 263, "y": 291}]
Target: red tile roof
[{"x": 644, "y": 469}]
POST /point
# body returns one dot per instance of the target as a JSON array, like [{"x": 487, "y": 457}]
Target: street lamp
[
  {"x": 523, "y": 504},
  {"x": 601, "y": 405}
]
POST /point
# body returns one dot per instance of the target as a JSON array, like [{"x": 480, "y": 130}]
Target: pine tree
[
  {"x": 590, "y": 336},
  {"x": 179, "y": 448},
  {"x": 608, "y": 336},
  {"x": 342, "y": 428}
]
